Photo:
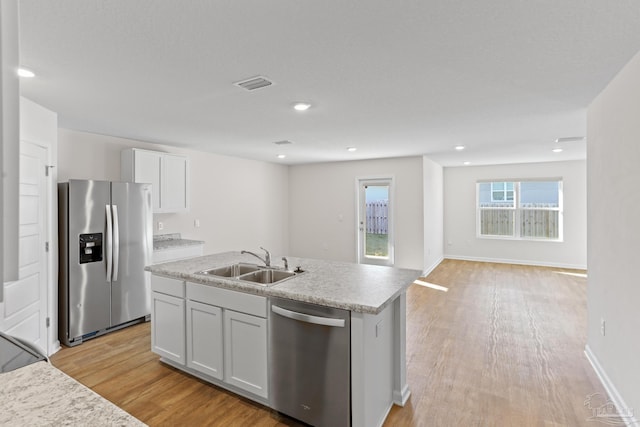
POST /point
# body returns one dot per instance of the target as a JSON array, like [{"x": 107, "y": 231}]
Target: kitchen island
[{"x": 185, "y": 302}]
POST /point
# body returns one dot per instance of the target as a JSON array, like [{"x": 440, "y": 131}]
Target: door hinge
[
  {"x": 46, "y": 246},
  {"x": 48, "y": 322}
]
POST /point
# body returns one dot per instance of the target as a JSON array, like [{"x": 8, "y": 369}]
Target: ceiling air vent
[
  {"x": 570, "y": 139},
  {"x": 284, "y": 142},
  {"x": 254, "y": 83}
]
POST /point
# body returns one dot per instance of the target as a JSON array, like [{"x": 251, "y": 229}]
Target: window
[
  {"x": 528, "y": 209},
  {"x": 501, "y": 191}
]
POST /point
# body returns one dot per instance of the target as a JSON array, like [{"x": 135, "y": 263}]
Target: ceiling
[{"x": 504, "y": 78}]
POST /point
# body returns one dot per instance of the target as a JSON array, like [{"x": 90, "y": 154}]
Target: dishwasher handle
[{"x": 308, "y": 318}]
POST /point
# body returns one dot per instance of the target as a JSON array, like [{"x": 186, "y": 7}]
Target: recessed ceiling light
[
  {"x": 557, "y": 150},
  {"x": 282, "y": 156},
  {"x": 23, "y": 72},
  {"x": 301, "y": 106},
  {"x": 466, "y": 163},
  {"x": 459, "y": 147},
  {"x": 352, "y": 149}
]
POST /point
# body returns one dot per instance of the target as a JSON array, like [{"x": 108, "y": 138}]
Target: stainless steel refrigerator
[{"x": 105, "y": 241}]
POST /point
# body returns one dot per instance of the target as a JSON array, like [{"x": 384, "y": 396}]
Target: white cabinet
[
  {"x": 145, "y": 168},
  {"x": 168, "y": 318},
  {"x": 204, "y": 339},
  {"x": 227, "y": 337},
  {"x": 167, "y": 173},
  {"x": 173, "y": 188},
  {"x": 245, "y": 356},
  {"x": 168, "y": 331}
]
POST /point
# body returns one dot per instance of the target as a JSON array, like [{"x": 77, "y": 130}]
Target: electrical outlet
[
  {"x": 602, "y": 326},
  {"x": 160, "y": 226},
  {"x": 196, "y": 223}
]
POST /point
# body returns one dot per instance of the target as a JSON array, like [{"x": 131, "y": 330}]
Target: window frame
[{"x": 518, "y": 209}]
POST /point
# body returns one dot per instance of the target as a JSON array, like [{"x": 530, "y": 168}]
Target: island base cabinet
[
  {"x": 245, "y": 356},
  {"x": 168, "y": 327},
  {"x": 204, "y": 339}
]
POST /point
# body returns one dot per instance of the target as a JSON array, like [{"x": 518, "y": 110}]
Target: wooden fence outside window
[
  {"x": 536, "y": 221},
  {"x": 378, "y": 217}
]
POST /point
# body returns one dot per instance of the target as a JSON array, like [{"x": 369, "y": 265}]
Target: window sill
[{"x": 523, "y": 239}]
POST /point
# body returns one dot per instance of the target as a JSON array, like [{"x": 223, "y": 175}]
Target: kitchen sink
[
  {"x": 234, "y": 270},
  {"x": 261, "y": 275},
  {"x": 267, "y": 276}
]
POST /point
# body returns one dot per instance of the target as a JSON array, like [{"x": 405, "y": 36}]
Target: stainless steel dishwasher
[{"x": 310, "y": 356}]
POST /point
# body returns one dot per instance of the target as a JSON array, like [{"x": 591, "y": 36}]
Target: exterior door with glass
[{"x": 375, "y": 225}]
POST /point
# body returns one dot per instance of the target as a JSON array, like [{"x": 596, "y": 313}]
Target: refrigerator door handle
[
  {"x": 116, "y": 242},
  {"x": 109, "y": 241}
]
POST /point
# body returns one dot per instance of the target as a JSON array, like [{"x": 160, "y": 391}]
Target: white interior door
[
  {"x": 375, "y": 221},
  {"x": 24, "y": 311}
]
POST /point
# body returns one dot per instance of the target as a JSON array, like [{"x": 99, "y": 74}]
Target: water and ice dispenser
[{"x": 90, "y": 248}]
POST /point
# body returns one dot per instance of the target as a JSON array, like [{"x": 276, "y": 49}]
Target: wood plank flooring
[{"x": 503, "y": 347}]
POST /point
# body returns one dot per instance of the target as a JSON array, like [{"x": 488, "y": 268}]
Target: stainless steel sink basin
[
  {"x": 261, "y": 275},
  {"x": 267, "y": 276},
  {"x": 234, "y": 270}
]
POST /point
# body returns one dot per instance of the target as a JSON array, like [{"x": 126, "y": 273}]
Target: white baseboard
[
  {"x": 517, "y": 261},
  {"x": 400, "y": 397},
  {"x": 55, "y": 347},
  {"x": 432, "y": 267},
  {"x": 628, "y": 417}
]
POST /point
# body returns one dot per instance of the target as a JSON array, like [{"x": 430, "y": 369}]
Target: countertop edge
[{"x": 162, "y": 245}]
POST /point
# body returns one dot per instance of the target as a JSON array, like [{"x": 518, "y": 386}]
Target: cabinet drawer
[
  {"x": 168, "y": 286},
  {"x": 234, "y": 300}
]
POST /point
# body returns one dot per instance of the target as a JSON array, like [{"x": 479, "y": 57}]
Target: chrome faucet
[
  {"x": 266, "y": 259},
  {"x": 286, "y": 263}
]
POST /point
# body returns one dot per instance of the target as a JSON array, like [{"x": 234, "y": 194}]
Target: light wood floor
[{"x": 503, "y": 347}]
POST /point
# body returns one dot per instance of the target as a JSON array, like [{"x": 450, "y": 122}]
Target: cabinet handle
[{"x": 308, "y": 318}]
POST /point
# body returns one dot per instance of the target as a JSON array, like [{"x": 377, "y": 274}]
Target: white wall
[
  {"x": 9, "y": 129},
  {"x": 433, "y": 175},
  {"x": 460, "y": 239},
  {"x": 241, "y": 204},
  {"x": 613, "y": 152},
  {"x": 322, "y": 209}
]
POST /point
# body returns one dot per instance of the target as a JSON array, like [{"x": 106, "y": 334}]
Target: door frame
[{"x": 384, "y": 179}]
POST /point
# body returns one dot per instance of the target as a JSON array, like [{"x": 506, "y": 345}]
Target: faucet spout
[{"x": 266, "y": 259}]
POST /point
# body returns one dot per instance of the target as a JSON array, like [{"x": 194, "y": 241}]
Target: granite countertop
[
  {"x": 172, "y": 241},
  {"x": 356, "y": 287},
  {"x": 41, "y": 395}
]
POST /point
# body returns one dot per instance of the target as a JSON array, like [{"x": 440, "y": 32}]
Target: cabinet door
[
  {"x": 147, "y": 170},
  {"x": 168, "y": 327},
  {"x": 174, "y": 183},
  {"x": 204, "y": 338},
  {"x": 245, "y": 352}
]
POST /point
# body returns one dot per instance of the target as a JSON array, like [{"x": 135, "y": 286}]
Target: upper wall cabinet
[{"x": 168, "y": 174}]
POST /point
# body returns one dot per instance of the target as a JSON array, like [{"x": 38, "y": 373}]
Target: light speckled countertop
[
  {"x": 41, "y": 395},
  {"x": 356, "y": 287},
  {"x": 172, "y": 241}
]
